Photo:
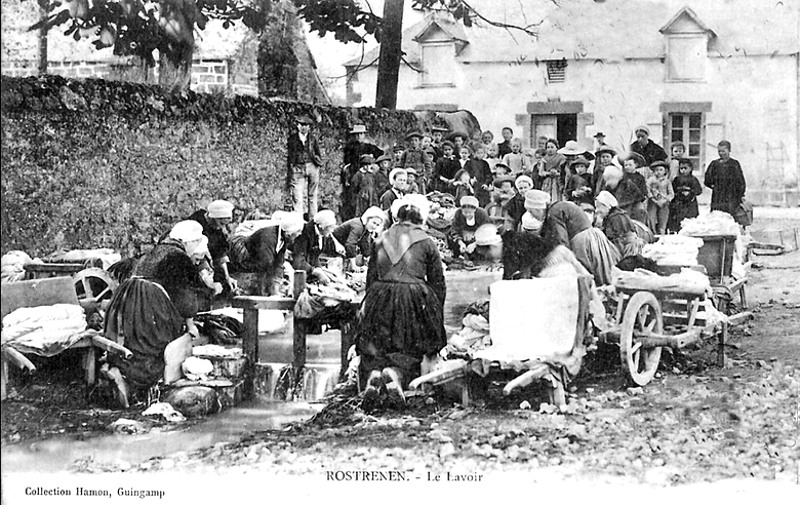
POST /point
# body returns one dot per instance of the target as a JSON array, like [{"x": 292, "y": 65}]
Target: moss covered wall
[{"x": 112, "y": 164}]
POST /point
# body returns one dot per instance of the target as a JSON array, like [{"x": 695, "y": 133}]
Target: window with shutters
[
  {"x": 438, "y": 64},
  {"x": 556, "y": 71}
]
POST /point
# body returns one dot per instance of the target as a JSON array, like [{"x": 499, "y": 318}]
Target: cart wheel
[
  {"x": 93, "y": 285},
  {"x": 642, "y": 315}
]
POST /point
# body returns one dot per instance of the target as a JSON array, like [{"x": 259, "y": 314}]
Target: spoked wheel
[
  {"x": 642, "y": 317},
  {"x": 93, "y": 286}
]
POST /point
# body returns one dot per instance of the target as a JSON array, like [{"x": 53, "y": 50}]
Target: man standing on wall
[
  {"x": 356, "y": 147},
  {"x": 305, "y": 161}
]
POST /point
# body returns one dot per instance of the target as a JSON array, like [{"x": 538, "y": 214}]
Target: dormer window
[
  {"x": 686, "y": 47},
  {"x": 440, "y": 41},
  {"x": 438, "y": 63}
]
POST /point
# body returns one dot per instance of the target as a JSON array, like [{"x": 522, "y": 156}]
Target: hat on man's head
[
  {"x": 642, "y": 128},
  {"x": 413, "y": 134},
  {"x": 521, "y": 179},
  {"x": 325, "y": 218},
  {"x": 395, "y": 172},
  {"x": 536, "y": 199},
  {"x": 607, "y": 199},
  {"x": 452, "y": 136},
  {"x": 659, "y": 163},
  {"x": 530, "y": 223},
  {"x": 638, "y": 158},
  {"x": 371, "y": 213},
  {"x": 498, "y": 181},
  {"x": 384, "y": 157},
  {"x": 304, "y": 120},
  {"x": 358, "y": 128},
  {"x": 187, "y": 231},
  {"x": 411, "y": 171},
  {"x": 599, "y": 135},
  {"x": 469, "y": 200},
  {"x": 366, "y": 159},
  {"x": 220, "y": 209},
  {"x": 580, "y": 160},
  {"x": 605, "y": 149}
]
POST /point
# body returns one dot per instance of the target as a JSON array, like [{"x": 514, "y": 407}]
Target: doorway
[{"x": 562, "y": 127}]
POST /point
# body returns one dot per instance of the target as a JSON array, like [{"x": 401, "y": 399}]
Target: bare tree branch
[{"x": 529, "y": 29}]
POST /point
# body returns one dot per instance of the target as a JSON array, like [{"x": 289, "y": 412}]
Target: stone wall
[{"x": 93, "y": 163}]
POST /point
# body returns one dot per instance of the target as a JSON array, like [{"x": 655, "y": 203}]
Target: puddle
[{"x": 58, "y": 454}]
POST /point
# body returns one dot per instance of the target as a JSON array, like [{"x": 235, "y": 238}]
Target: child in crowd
[
  {"x": 437, "y": 137},
  {"x": 398, "y": 151},
  {"x": 515, "y": 158},
  {"x": 382, "y": 183},
  {"x": 686, "y": 188},
  {"x": 459, "y": 140},
  {"x": 678, "y": 151},
  {"x": 427, "y": 142},
  {"x": 500, "y": 170},
  {"x": 462, "y": 185},
  {"x": 504, "y": 147},
  {"x": 541, "y": 142},
  {"x": 464, "y": 154},
  {"x": 413, "y": 156},
  {"x": 446, "y": 167},
  {"x": 426, "y": 180},
  {"x": 631, "y": 194},
  {"x": 363, "y": 184},
  {"x": 503, "y": 193},
  {"x": 412, "y": 178},
  {"x": 552, "y": 171},
  {"x": 604, "y": 156},
  {"x": 487, "y": 138},
  {"x": 660, "y": 194},
  {"x": 481, "y": 176},
  {"x": 492, "y": 156},
  {"x": 579, "y": 186}
]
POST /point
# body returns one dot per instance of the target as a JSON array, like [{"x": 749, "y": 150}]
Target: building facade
[{"x": 695, "y": 71}]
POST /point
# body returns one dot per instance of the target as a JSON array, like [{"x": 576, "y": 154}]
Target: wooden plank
[
  {"x": 526, "y": 378},
  {"x": 90, "y": 365},
  {"x": 263, "y": 303},
  {"x": 721, "y": 339},
  {"x": 249, "y": 349},
  {"x": 300, "y": 327},
  {"x": 110, "y": 346}
]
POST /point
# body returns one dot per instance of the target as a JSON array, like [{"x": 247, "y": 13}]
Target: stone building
[
  {"x": 225, "y": 60},
  {"x": 696, "y": 71}
]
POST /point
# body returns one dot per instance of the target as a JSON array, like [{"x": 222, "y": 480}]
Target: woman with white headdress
[
  {"x": 155, "y": 307},
  {"x": 402, "y": 316}
]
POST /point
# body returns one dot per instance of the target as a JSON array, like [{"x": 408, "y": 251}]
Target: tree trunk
[
  {"x": 175, "y": 78},
  {"x": 390, "y": 55},
  {"x": 42, "y": 63},
  {"x": 277, "y": 62}
]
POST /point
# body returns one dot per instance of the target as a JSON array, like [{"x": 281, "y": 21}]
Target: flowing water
[{"x": 263, "y": 413}]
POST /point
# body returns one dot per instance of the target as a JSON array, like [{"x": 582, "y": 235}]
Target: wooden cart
[{"x": 647, "y": 319}]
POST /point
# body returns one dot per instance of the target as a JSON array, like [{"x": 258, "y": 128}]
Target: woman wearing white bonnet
[
  {"x": 358, "y": 234},
  {"x": 154, "y": 308}
]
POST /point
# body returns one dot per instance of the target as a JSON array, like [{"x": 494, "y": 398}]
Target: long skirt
[
  {"x": 143, "y": 318},
  {"x": 554, "y": 187},
  {"x": 596, "y": 253},
  {"x": 400, "y": 323}
]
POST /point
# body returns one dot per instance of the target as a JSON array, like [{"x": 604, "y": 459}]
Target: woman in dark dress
[
  {"x": 153, "y": 308},
  {"x": 402, "y": 318}
]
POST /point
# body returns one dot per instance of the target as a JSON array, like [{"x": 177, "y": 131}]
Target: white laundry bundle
[
  {"x": 713, "y": 223},
  {"x": 678, "y": 250},
  {"x": 13, "y": 265},
  {"x": 196, "y": 369},
  {"x": 45, "y": 330}
]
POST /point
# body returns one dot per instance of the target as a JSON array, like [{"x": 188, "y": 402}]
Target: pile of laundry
[
  {"x": 45, "y": 330},
  {"x": 474, "y": 333},
  {"x": 674, "y": 250}
]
